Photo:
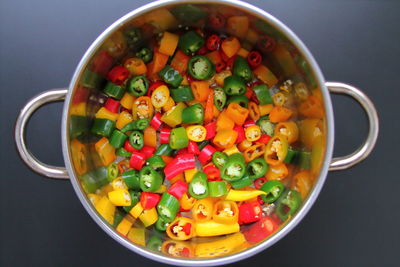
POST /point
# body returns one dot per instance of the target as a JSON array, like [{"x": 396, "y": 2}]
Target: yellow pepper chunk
[
  {"x": 124, "y": 226},
  {"x": 105, "y": 151},
  {"x": 137, "y": 236},
  {"x": 169, "y": 105},
  {"x": 120, "y": 197},
  {"x": 173, "y": 117},
  {"x": 123, "y": 119},
  {"x": 127, "y": 101},
  {"x": 196, "y": 133},
  {"x": 78, "y": 109},
  {"x": 253, "y": 133},
  {"x": 232, "y": 150},
  {"x": 212, "y": 228},
  {"x": 220, "y": 247},
  {"x": 189, "y": 174},
  {"x": 160, "y": 96},
  {"x": 119, "y": 183},
  {"x": 104, "y": 113},
  {"x": 149, "y": 217},
  {"x": 265, "y": 109},
  {"x": 106, "y": 209},
  {"x": 93, "y": 198},
  {"x": 161, "y": 189},
  {"x": 243, "y": 195},
  {"x": 136, "y": 210}
]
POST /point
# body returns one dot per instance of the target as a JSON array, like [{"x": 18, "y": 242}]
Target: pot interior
[{"x": 289, "y": 77}]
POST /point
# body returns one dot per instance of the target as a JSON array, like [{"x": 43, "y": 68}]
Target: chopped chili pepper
[
  {"x": 260, "y": 230},
  {"x": 198, "y": 187},
  {"x": 153, "y": 86},
  {"x": 149, "y": 200},
  {"x": 264, "y": 139},
  {"x": 193, "y": 148},
  {"x": 112, "y": 105},
  {"x": 128, "y": 147},
  {"x": 259, "y": 182},
  {"x": 213, "y": 42},
  {"x": 249, "y": 123},
  {"x": 179, "y": 164},
  {"x": 250, "y": 212},
  {"x": 254, "y": 59},
  {"x": 137, "y": 160},
  {"x": 118, "y": 75},
  {"x": 178, "y": 189},
  {"x": 206, "y": 154},
  {"x": 168, "y": 207},
  {"x": 148, "y": 151},
  {"x": 164, "y": 135},
  {"x": 190, "y": 42},
  {"x": 212, "y": 172},
  {"x": 211, "y": 129},
  {"x": 201, "y": 68},
  {"x": 219, "y": 159}
]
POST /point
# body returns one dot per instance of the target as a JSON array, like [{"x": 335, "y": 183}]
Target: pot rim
[{"x": 286, "y": 228}]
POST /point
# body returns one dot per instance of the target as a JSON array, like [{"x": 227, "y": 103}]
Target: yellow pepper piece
[
  {"x": 136, "y": 210},
  {"x": 237, "y": 113},
  {"x": 169, "y": 105},
  {"x": 119, "y": 183},
  {"x": 202, "y": 209},
  {"x": 137, "y": 236},
  {"x": 104, "y": 113},
  {"x": 253, "y": 133},
  {"x": 160, "y": 96},
  {"x": 265, "y": 75},
  {"x": 161, "y": 189},
  {"x": 105, "y": 151},
  {"x": 232, "y": 150},
  {"x": 212, "y": 228},
  {"x": 106, "y": 209},
  {"x": 78, "y": 109},
  {"x": 265, "y": 109},
  {"x": 168, "y": 43},
  {"x": 242, "y": 52},
  {"x": 196, "y": 133},
  {"x": 243, "y": 195},
  {"x": 224, "y": 122},
  {"x": 124, "y": 226},
  {"x": 149, "y": 217},
  {"x": 127, "y": 101},
  {"x": 123, "y": 119},
  {"x": 187, "y": 202},
  {"x": 79, "y": 153},
  {"x": 288, "y": 129},
  {"x": 225, "y": 138},
  {"x": 105, "y": 190},
  {"x": 173, "y": 117},
  {"x": 220, "y": 247},
  {"x": 120, "y": 197},
  {"x": 189, "y": 174},
  {"x": 93, "y": 198}
]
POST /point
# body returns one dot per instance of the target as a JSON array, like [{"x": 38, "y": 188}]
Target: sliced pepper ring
[
  {"x": 181, "y": 228},
  {"x": 288, "y": 129},
  {"x": 276, "y": 150},
  {"x": 160, "y": 96},
  {"x": 226, "y": 212},
  {"x": 203, "y": 209},
  {"x": 196, "y": 133}
]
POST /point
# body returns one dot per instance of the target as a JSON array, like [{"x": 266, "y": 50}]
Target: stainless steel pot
[{"x": 297, "y": 51}]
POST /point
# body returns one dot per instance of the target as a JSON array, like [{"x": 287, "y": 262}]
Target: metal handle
[
  {"x": 19, "y": 135},
  {"x": 365, "y": 149}
]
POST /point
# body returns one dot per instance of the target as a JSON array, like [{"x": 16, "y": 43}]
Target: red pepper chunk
[
  {"x": 148, "y": 151},
  {"x": 112, "y": 105},
  {"x": 264, "y": 139},
  {"x": 179, "y": 164},
  {"x": 259, "y": 182},
  {"x": 213, "y": 173},
  {"x": 213, "y": 42},
  {"x": 260, "y": 230},
  {"x": 241, "y": 135},
  {"x": 220, "y": 66},
  {"x": 250, "y": 212},
  {"x": 118, "y": 75},
  {"x": 206, "y": 154},
  {"x": 178, "y": 189},
  {"x": 193, "y": 148},
  {"x": 149, "y": 200},
  {"x": 156, "y": 121},
  {"x": 128, "y": 147},
  {"x": 164, "y": 135},
  {"x": 211, "y": 130},
  {"x": 137, "y": 160},
  {"x": 153, "y": 87}
]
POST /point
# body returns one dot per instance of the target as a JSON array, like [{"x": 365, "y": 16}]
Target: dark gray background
[{"x": 356, "y": 218}]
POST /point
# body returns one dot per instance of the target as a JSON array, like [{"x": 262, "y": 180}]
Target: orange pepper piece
[
  {"x": 254, "y": 111},
  {"x": 280, "y": 114},
  {"x": 214, "y": 57},
  {"x": 245, "y": 144},
  {"x": 265, "y": 75},
  {"x": 201, "y": 90},
  {"x": 224, "y": 122},
  {"x": 158, "y": 63},
  {"x": 167, "y": 159},
  {"x": 180, "y": 62},
  {"x": 277, "y": 172},
  {"x": 135, "y": 66},
  {"x": 225, "y": 138},
  {"x": 143, "y": 108},
  {"x": 105, "y": 151},
  {"x": 312, "y": 108},
  {"x": 238, "y": 25},
  {"x": 302, "y": 183},
  {"x": 237, "y": 113},
  {"x": 288, "y": 129},
  {"x": 230, "y": 46},
  {"x": 150, "y": 137},
  {"x": 254, "y": 152},
  {"x": 168, "y": 43}
]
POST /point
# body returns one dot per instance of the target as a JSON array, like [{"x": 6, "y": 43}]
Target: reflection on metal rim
[{"x": 286, "y": 228}]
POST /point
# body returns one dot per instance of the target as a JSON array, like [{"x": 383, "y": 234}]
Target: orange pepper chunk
[
  {"x": 209, "y": 109},
  {"x": 254, "y": 152},
  {"x": 105, "y": 151},
  {"x": 135, "y": 66},
  {"x": 312, "y": 108},
  {"x": 158, "y": 63},
  {"x": 225, "y": 138},
  {"x": 201, "y": 90},
  {"x": 224, "y": 122},
  {"x": 237, "y": 113},
  {"x": 277, "y": 172},
  {"x": 230, "y": 46},
  {"x": 280, "y": 114},
  {"x": 238, "y": 25},
  {"x": 265, "y": 75},
  {"x": 254, "y": 111},
  {"x": 142, "y": 108},
  {"x": 180, "y": 62},
  {"x": 150, "y": 137},
  {"x": 168, "y": 43}
]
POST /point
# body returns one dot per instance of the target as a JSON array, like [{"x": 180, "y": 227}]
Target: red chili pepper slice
[
  {"x": 260, "y": 230},
  {"x": 178, "y": 189},
  {"x": 149, "y": 200},
  {"x": 202, "y": 51},
  {"x": 156, "y": 121},
  {"x": 212, "y": 172},
  {"x": 137, "y": 160},
  {"x": 249, "y": 123},
  {"x": 241, "y": 135},
  {"x": 154, "y": 86},
  {"x": 206, "y": 154},
  {"x": 182, "y": 151},
  {"x": 254, "y": 59},
  {"x": 267, "y": 43},
  {"x": 179, "y": 164},
  {"x": 211, "y": 130},
  {"x": 148, "y": 151},
  {"x": 216, "y": 20},
  {"x": 193, "y": 148},
  {"x": 164, "y": 135},
  {"x": 220, "y": 66},
  {"x": 118, "y": 75},
  {"x": 259, "y": 182},
  {"x": 250, "y": 212},
  {"x": 264, "y": 139},
  {"x": 112, "y": 105},
  {"x": 102, "y": 63},
  {"x": 213, "y": 42},
  {"x": 129, "y": 147}
]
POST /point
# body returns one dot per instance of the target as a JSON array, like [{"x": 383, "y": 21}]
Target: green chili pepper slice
[
  {"x": 219, "y": 98},
  {"x": 103, "y": 127},
  {"x": 164, "y": 149},
  {"x": 138, "y": 85},
  {"x": 266, "y": 125},
  {"x": 140, "y": 124},
  {"x": 170, "y": 76},
  {"x": 145, "y": 54},
  {"x": 182, "y": 93},
  {"x": 188, "y": 13},
  {"x": 113, "y": 90},
  {"x": 219, "y": 159},
  {"x": 288, "y": 203},
  {"x": 94, "y": 179},
  {"x": 190, "y": 42},
  {"x": 242, "y": 100},
  {"x": 242, "y": 69},
  {"x": 217, "y": 189},
  {"x": 291, "y": 155},
  {"x": 150, "y": 179},
  {"x": 156, "y": 162},
  {"x": 201, "y": 68},
  {"x": 78, "y": 126},
  {"x": 198, "y": 187},
  {"x": 161, "y": 224},
  {"x": 112, "y": 172},
  {"x": 117, "y": 138},
  {"x": 234, "y": 169},
  {"x": 122, "y": 152},
  {"x": 91, "y": 79},
  {"x": 136, "y": 140},
  {"x": 193, "y": 114},
  {"x": 242, "y": 182},
  {"x": 274, "y": 190},
  {"x": 178, "y": 138},
  {"x": 234, "y": 85},
  {"x": 154, "y": 243},
  {"x": 131, "y": 179},
  {"x": 262, "y": 93},
  {"x": 135, "y": 198},
  {"x": 168, "y": 207},
  {"x": 257, "y": 168},
  {"x": 134, "y": 37}
]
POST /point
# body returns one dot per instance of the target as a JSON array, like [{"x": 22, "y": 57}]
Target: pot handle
[
  {"x": 344, "y": 162},
  {"x": 19, "y": 134}
]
